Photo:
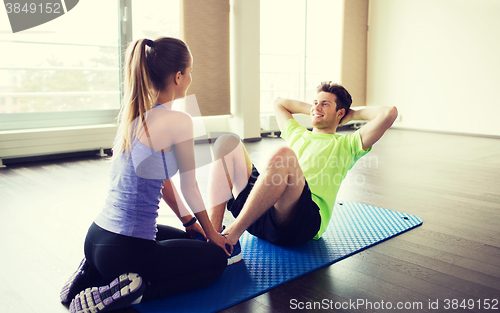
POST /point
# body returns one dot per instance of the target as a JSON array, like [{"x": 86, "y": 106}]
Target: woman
[{"x": 128, "y": 257}]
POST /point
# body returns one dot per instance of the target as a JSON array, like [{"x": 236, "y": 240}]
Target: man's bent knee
[
  {"x": 225, "y": 144},
  {"x": 284, "y": 157}
]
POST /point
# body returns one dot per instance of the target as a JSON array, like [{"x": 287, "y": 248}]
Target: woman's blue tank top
[{"x": 131, "y": 207}]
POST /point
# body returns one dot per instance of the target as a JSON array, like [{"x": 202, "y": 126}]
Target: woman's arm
[
  {"x": 184, "y": 152},
  {"x": 173, "y": 200}
]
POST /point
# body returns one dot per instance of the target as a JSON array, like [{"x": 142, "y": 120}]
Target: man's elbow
[
  {"x": 392, "y": 114},
  {"x": 279, "y": 105},
  {"x": 278, "y": 102}
]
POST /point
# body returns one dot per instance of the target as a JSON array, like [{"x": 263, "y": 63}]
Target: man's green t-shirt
[{"x": 324, "y": 160}]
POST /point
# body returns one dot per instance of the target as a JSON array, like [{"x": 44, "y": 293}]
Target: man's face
[{"x": 324, "y": 111}]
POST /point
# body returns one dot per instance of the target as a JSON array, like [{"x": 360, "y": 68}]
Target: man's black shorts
[{"x": 304, "y": 226}]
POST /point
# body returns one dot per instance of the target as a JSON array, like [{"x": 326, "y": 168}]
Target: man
[{"x": 291, "y": 202}]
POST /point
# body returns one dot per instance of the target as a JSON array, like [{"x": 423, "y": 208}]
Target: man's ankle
[
  {"x": 231, "y": 236},
  {"x": 233, "y": 240}
]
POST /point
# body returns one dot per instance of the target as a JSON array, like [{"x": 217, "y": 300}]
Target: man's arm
[
  {"x": 284, "y": 108},
  {"x": 380, "y": 119}
]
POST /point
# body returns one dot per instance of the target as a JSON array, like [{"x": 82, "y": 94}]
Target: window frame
[{"x": 53, "y": 119}]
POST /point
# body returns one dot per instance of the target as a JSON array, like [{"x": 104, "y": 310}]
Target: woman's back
[{"x": 136, "y": 178}]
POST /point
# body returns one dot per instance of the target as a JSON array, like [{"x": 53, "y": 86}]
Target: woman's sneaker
[
  {"x": 74, "y": 284},
  {"x": 121, "y": 293}
]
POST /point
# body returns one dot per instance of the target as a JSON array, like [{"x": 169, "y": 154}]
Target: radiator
[{"x": 46, "y": 141}]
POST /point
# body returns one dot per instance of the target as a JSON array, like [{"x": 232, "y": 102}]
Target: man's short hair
[{"x": 344, "y": 99}]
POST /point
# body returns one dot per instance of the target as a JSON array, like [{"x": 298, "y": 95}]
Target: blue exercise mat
[{"x": 353, "y": 228}]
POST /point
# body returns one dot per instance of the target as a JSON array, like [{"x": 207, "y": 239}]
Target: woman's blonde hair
[{"x": 148, "y": 66}]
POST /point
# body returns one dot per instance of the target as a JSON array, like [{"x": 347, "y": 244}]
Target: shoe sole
[
  {"x": 110, "y": 297},
  {"x": 234, "y": 259},
  {"x": 66, "y": 290}
]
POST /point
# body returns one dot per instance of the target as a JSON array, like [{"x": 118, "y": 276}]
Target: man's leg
[
  {"x": 280, "y": 185},
  {"x": 229, "y": 175}
]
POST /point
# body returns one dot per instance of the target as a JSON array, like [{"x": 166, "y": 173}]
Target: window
[
  {"x": 66, "y": 72},
  {"x": 299, "y": 51},
  {"x": 68, "y": 64},
  {"x": 155, "y": 18},
  {"x": 60, "y": 81}
]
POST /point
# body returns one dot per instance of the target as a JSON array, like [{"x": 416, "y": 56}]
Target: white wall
[
  {"x": 438, "y": 61},
  {"x": 245, "y": 69}
]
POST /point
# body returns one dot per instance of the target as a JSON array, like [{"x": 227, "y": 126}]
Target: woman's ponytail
[
  {"x": 148, "y": 65},
  {"x": 139, "y": 94}
]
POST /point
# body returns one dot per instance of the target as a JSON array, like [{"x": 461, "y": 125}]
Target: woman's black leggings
[{"x": 170, "y": 264}]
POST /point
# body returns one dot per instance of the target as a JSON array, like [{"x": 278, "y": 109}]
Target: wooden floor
[{"x": 452, "y": 182}]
